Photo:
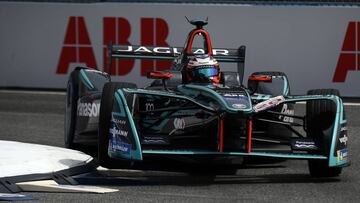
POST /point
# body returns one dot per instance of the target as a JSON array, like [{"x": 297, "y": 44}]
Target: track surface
[{"x": 38, "y": 118}]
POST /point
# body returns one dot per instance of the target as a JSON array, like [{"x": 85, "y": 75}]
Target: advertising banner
[{"x": 317, "y": 47}]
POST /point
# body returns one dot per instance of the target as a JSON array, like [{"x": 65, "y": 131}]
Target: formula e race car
[{"x": 194, "y": 110}]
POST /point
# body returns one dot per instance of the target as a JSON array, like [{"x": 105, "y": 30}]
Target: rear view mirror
[
  {"x": 255, "y": 80},
  {"x": 260, "y": 78}
]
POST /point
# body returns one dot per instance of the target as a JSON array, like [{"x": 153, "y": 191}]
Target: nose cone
[{"x": 237, "y": 101}]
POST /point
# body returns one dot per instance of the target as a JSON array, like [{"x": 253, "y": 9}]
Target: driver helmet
[{"x": 203, "y": 68}]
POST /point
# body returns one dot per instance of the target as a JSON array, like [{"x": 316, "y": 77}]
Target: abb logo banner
[
  {"x": 42, "y": 43},
  {"x": 349, "y": 59},
  {"x": 77, "y": 46}
]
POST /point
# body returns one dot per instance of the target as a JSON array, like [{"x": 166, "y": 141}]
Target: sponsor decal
[
  {"x": 233, "y": 95},
  {"x": 88, "y": 109},
  {"x": 349, "y": 58},
  {"x": 179, "y": 123},
  {"x": 304, "y": 144},
  {"x": 272, "y": 102},
  {"x": 154, "y": 141},
  {"x": 118, "y": 139},
  {"x": 239, "y": 106},
  {"x": 167, "y": 50},
  {"x": 124, "y": 148},
  {"x": 343, "y": 140},
  {"x": 344, "y": 128},
  {"x": 285, "y": 110},
  {"x": 115, "y": 131},
  {"x": 342, "y": 154},
  {"x": 144, "y": 49},
  {"x": 78, "y": 49},
  {"x": 118, "y": 121},
  {"x": 236, "y": 100},
  {"x": 149, "y": 106},
  {"x": 77, "y": 46}
]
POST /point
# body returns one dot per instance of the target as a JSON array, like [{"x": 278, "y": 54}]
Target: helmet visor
[{"x": 206, "y": 72}]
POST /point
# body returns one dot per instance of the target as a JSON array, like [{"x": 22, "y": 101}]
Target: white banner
[{"x": 317, "y": 47}]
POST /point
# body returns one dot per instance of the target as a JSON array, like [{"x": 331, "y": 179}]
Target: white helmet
[{"x": 202, "y": 68}]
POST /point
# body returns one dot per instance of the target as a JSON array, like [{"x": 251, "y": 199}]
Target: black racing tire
[
  {"x": 72, "y": 96},
  {"x": 320, "y": 115},
  {"x": 106, "y": 106}
]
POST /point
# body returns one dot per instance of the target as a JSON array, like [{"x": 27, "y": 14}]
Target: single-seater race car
[{"x": 194, "y": 110}]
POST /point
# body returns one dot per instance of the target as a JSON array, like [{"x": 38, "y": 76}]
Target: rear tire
[
  {"x": 72, "y": 96},
  {"x": 106, "y": 106},
  {"x": 320, "y": 116}
]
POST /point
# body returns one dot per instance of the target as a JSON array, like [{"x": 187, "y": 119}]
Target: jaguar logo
[{"x": 239, "y": 106}]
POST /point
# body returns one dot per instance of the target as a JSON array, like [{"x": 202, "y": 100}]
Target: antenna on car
[
  {"x": 198, "y": 23},
  {"x": 187, "y": 19}
]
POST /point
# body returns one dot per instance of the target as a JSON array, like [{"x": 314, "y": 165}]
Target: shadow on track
[{"x": 199, "y": 179}]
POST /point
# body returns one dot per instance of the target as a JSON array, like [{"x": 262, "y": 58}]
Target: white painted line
[
  {"x": 52, "y": 186},
  {"x": 38, "y": 159},
  {"x": 345, "y": 103},
  {"x": 32, "y": 92},
  {"x": 351, "y": 104}
]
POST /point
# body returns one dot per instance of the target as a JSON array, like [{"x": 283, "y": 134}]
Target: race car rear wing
[{"x": 171, "y": 53}]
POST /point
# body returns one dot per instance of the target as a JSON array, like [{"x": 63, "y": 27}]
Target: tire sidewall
[{"x": 70, "y": 110}]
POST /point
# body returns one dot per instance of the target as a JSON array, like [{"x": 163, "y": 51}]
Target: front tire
[
  {"x": 106, "y": 107},
  {"x": 320, "y": 116}
]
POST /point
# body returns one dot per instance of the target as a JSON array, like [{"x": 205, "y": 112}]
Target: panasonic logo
[
  {"x": 304, "y": 145},
  {"x": 88, "y": 109}
]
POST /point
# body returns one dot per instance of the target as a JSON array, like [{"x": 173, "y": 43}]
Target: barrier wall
[{"x": 317, "y": 47}]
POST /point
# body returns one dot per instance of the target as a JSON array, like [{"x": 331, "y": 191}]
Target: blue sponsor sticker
[
  {"x": 123, "y": 148},
  {"x": 342, "y": 154}
]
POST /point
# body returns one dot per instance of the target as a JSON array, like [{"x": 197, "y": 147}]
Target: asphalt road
[{"x": 39, "y": 117}]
